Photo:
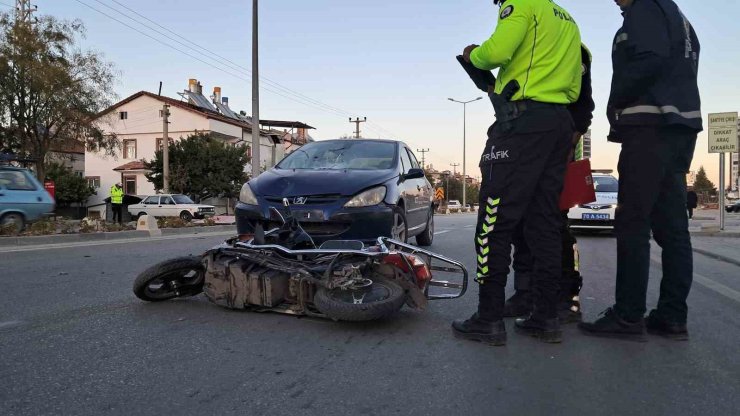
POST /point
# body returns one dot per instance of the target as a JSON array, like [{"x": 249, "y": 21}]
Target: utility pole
[
  {"x": 423, "y": 159},
  {"x": 454, "y": 167},
  {"x": 357, "y": 125},
  {"x": 165, "y": 149},
  {"x": 255, "y": 92},
  {"x": 24, "y": 10},
  {"x": 465, "y": 106}
]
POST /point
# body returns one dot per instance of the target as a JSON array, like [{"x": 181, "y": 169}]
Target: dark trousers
[
  {"x": 691, "y": 212},
  {"x": 117, "y": 213},
  {"x": 522, "y": 170},
  {"x": 570, "y": 281},
  {"x": 652, "y": 196}
]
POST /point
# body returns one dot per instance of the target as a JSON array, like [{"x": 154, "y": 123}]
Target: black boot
[
  {"x": 477, "y": 329},
  {"x": 611, "y": 325},
  {"x": 656, "y": 325},
  {"x": 519, "y": 304},
  {"x": 548, "y": 330},
  {"x": 569, "y": 310}
]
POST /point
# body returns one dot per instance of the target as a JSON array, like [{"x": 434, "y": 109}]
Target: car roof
[
  {"x": 14, "y": 168},
  {"x": 361, "y": 140}
]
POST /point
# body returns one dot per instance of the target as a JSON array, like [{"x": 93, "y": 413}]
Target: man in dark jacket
[
  {"x": 692, "y": 201},
  {"x": 655, "y": 112},
  {"x": 569, "y": 306}
]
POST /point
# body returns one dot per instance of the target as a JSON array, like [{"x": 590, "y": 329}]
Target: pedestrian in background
[
  {"x": 116, "y": 202},
  {"x": 692, "y": 201},
  {"x": 537, "y": 46},
  {"x": 655, "y": 112}
]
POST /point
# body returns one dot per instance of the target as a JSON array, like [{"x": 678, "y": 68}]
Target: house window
[
  {"x": 129, "y": 185},
  {"x": 159, "y": 142},
  {"x": 93, "y": 182},
  {"x": 123, "y": 115},
  {"x": 129, "y": 149}
]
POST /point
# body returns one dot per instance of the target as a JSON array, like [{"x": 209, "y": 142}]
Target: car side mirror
[{"x": 414, "y": 173}]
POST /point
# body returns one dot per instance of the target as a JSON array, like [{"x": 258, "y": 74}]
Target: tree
[
  {"x": 702, "y": 184},
  {"x": 69, "y": 188},
  {"x": 50, "y": 91},
  {"x": 201, "y": 167}
]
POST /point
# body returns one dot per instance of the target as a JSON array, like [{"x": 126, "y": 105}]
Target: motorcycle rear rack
[{"x": 383, "y": 244}]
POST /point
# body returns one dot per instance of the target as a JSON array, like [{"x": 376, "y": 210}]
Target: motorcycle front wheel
[
  {"x": 178, "y": 277},
  {"x": 383, "y": 298}
]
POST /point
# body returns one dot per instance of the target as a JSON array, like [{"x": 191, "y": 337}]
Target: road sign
[
  {"x": 723, "y": 133},
  {"x": 439, "y": 194}
]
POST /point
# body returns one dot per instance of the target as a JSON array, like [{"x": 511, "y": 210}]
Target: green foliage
[
  {"x": 43, "y": 227},
  {"x": 455, "y": 191},
  {"x": 172, "y": 222},
  {"x": 69, "y": 188},
  {"x": 50, "y": 90},
  {"x": 702, "y": 184},
  {"x": 201, "y": 167}
]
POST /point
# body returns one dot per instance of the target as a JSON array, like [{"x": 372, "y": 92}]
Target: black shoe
[
  {"x": 671, "y": 330},
  {"x": 476, "y": 329},
  {"x": 519, "y": 304},
  {"x": 610, "y": 325},
  {"x": 547, "y": 330},
  {"x": 569, "y": 311}
]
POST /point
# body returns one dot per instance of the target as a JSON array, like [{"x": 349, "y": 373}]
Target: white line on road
[
  {"x": 442, "y": 232},
  {"x": 708, "y": 283},
  {"x": 110, "y": 242},
  {"x": 9, "y": 324}
]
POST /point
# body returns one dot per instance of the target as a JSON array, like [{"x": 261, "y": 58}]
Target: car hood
[
  {"x": 606, "y": 198},
  {"x": 290, "y": 183}
]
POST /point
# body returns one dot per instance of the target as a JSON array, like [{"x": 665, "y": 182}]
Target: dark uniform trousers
[
  {"x": 652, "y": 196},
  {"x": 522, "y": 170},
  {"x": 570, "y": 281},
  {"x": 117, "y": 213}
]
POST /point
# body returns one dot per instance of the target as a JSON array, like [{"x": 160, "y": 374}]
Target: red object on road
[
  {"x": 50, "y": 188},
  {"x": 579, "y": 185}
]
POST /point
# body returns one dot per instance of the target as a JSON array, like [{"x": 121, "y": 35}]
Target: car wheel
[
  {"x": 186, "y": 216},
  {"x": 426, "y": 238},
  {"x": 13, "y": 222},
  {"x": 141, "y": 214},
  {"x": 399, "y": 230}
]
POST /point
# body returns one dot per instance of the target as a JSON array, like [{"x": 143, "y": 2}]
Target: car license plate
[
  {"x": 312, "y": 215},
  {"x": 596, "y": 217}
]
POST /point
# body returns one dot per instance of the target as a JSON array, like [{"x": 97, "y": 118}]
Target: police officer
[
  {"x": 537, "y": 45},
  {"x": 116, "y": 201},
  {"x": 655, "y": 112},
  {"x": 569, "y": 306}
]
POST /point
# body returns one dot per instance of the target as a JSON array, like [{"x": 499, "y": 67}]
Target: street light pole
[
  {"x": 464, "y": 181},
  {"x": 255, "y": 93}
]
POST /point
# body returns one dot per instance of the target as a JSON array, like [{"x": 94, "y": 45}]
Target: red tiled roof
[{"x": 135, "y": 165}]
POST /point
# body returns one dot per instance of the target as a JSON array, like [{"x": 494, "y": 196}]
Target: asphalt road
[{"x": 75, "y": 341}]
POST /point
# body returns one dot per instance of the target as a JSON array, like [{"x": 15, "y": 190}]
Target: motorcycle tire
[
  {"x": 155, "y": 283},
  {"x": 385, "y": 298}
]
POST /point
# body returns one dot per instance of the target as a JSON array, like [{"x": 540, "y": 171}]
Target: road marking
[
  {"x": 110, "y": 242},
  {"x": 10, "y": 324},
  {"x": 708, "y": 283},
  {"x": 442, "y": 232}
]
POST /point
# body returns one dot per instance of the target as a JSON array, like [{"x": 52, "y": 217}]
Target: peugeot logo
[{"x": 300, "y": 200}]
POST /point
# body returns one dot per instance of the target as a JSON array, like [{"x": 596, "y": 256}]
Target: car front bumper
[
  {"x": 591, "y": 219},
  {"x": 321, "y": 222}
]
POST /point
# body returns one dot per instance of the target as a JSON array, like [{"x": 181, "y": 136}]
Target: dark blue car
[{"x": 344, "y": 190}]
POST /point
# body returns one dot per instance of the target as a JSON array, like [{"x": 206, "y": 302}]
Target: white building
[
  {"x": 137, "y": 121},
  {"x": 734, "y": 171}
]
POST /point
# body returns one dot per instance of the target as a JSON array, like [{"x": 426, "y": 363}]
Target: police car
[{"x": 597, "y": 215}]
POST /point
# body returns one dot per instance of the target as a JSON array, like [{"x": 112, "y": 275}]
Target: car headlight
[
  {"x": 368, "y": 198},
  {"x": 246, "y": 195}
]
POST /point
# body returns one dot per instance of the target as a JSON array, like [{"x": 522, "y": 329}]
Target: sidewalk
[{"x": 726, "y": 249}]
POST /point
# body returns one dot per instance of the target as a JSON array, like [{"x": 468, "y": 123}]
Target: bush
[
  {"x": 209, "y": 222},
  {"x": 7, "y": 230},
  {"x": 89, "y": 225},
  {"x": 172, "y": 222},
  {"x": 43, "y": 227}
]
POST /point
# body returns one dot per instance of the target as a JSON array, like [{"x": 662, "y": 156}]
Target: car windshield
[
  {"x": 182, "y": 199},
  {"x": 606, "y": 184},
  {"x": 341, "y": 155}
]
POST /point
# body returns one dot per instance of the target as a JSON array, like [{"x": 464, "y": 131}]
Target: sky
[{"x": 391, "y": 61}]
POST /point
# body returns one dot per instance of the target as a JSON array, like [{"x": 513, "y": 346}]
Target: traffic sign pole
[
  {"x": 722, "y": 139},
  {"x": 721, "y": 191}
]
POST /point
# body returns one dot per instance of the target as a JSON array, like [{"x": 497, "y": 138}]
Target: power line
[
  {"x": 281, "y": 90},
  {"x": 423, "y": 157}
]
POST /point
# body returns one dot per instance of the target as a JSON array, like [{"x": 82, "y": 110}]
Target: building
[
  {"x": 70, "y": 153},
  {"x": 734, "y": 158},
  {"x": 137, "y": 121}
]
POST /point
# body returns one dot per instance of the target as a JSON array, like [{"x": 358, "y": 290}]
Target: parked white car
[
  {"x": 597, "y": 215},
  {"x": 454, "y": 205},
  {"x": 171, "y": 206}
]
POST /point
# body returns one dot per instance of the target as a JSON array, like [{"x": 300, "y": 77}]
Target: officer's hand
[
  {"x": 576, "y": 138},
  {"x": 468, "y": 50}
]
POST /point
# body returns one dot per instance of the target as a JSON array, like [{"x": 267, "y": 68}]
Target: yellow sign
[
  {"x": 723, "y": 133},
  {"x": 439, "y": 194}
]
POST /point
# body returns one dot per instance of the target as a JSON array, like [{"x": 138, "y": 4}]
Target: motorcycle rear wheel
[
  {"x": 178, "y": 277},
  {"x": 384, "y": 298}
]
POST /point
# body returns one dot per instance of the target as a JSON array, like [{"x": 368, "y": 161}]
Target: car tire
[
  {"x": 13, "y": 221},
  {"x": 141, "y": 214},
  {"x": 186, "y": 216},
  {"x": 399, "y": 227},
  {"x": 426, "y": 237},
  {"x": 336, "y": 305}
]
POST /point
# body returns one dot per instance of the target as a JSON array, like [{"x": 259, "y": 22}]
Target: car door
[
  {"x": 20, "y": 193},
  {"x": 411, "y": 192},
  {"x": 426, "y": 193},
  {"x": 168, "y": 207},
  {"x": 151, "y": 206}
]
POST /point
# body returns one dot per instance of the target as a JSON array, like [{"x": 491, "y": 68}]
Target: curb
[
  {"x": 717, "y": 256},
  {"x": 725, "y": 234},
  {"x": 120, "y": 235}
]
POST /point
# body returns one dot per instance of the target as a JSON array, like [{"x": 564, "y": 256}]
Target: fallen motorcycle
[{"x": 283, "y": 271}]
